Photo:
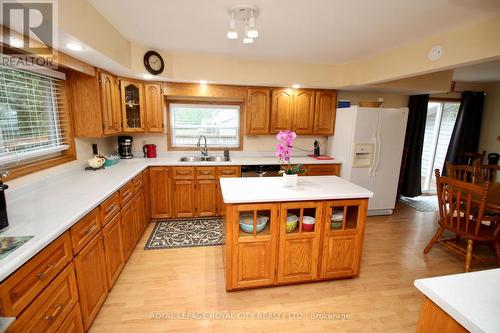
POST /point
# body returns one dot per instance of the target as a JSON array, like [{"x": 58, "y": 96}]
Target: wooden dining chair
[
  {"x": 469, "y": 157},
  {"x": 487, "y": 172},
  {"x": 463, "y": 172},
  {"x": 461, "y": 211}
]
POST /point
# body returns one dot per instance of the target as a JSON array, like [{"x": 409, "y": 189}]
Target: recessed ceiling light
[
  {"x": 203, "y": 82},
  {"x": 147, "y": 76},
  {"x": 247, "y": 40},
  {"x": 74, "y": 46},
  {"x": 296, "y": 86}
]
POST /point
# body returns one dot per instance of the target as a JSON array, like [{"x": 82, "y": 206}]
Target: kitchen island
[{"x": 279, "y": 235}]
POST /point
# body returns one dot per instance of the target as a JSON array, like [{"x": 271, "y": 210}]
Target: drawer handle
[
  {"x": 180, "y": 172},
  {"x": 227, "y": 172},
  {"x": 52, "y": 316},
  {"x": 43, "y": 275},
  {"x": 110, "y": 208},
  {"x": 129, "y": 194},
  {"x": 89, "y": 230},
  {"x": 204, "y": 172}
]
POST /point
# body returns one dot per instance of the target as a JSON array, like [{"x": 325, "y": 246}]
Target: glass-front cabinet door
[
  {"x": 254, "y": 239},
  {"x": 132, "y": 106},
  {"x": 343, "y": 238},
  {"x": 299, "y": 241}
]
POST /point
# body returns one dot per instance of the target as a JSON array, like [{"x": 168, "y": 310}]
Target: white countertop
[
  {"x": 48, "y": 203},
  {"x": 472, "y": 299},
  {"x": 273, "y": 189}
]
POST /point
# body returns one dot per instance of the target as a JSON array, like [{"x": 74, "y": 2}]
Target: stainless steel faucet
[{"x": 204, "y": 150}]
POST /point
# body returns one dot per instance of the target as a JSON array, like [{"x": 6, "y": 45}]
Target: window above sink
[{"x": 219, "y": 123}]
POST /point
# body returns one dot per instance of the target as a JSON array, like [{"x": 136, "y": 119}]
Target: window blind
[
  {"x": 31, "y": 122},
  {"x": 219, "y": 123}
]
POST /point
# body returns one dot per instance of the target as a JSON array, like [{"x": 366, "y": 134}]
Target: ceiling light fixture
[
  {"x": 74, "y": 46},
  {"x": 296, "y": 86},
  {"x": 232, "y": 33},
  {"x": 247, "y": 15}
]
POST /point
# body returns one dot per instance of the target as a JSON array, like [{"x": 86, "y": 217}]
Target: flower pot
[{"x": 290, "y": 180}]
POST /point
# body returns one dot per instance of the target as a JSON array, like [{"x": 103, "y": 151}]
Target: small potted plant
[{"x": 283, "y": 152}]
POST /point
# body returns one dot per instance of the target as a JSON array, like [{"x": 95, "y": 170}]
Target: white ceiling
[
  {"x": 314, "y": 31},
  {"x": 483, "y": 72}
]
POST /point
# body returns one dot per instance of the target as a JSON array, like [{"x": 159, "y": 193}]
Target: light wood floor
[{"x": 381, "y": 299}]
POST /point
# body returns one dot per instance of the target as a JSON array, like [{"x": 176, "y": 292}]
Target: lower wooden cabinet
[
  {"x": 206, "y": 197},
  {"x": 159, "y": 189},
  {"x": 140, "y": 216},
  {"x": 90, "y": 265},
  {"x": 73, "y": 322},
  {"x": 298, "y": 256},
  {"x": 48, "y": 311},
  {"x": 113, "y": 246},
  {"x": 225, "y": 172},
  {"x": 147, "y": 196},
  {"x": 322, "y": 169},
  {"x": 128, "y": 229},
  {"x": 183, "y": 198}
]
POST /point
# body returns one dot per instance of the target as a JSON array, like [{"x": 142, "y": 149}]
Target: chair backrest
[
  {"x": 469, "y": 157},
  {"x": 463, "y": 172},
  {"x": 461, "y": 204},
  {"x": 487, "y": 172}
]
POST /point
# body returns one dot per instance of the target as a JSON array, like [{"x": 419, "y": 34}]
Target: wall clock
[{"x": 153, "y": 62}]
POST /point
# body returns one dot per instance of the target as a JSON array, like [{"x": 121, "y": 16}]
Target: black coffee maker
[
  {"x": 125, "y": 147},
  {"x": 4, "y": 221}
]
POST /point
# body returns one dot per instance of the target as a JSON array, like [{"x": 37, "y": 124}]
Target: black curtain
[
  {"x": 414, "y": 142},
  {"x": 465, "y": 136}
]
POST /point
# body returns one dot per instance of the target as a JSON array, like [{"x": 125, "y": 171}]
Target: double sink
[{"x": 204, "y": 159}]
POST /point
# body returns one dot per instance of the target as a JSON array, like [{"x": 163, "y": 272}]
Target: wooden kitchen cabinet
[
  {"x": 129, "y": 232},
  {"x": 183, "y": 197},
  {"x": 139, "y": 214},
  {"x": 90, "y": 266},
  {"x": 206, "y": 197},
  {"x": 322, "y": 169},
  {"x": 324, "y": 112},
  {"x": 154, "y": 107},
  {"x": 94, "y": 103},
  {"x": 298, "y": 255},
  {"x": 282, "y": 110},
  {"x": 225, "y": 172},
  {"x": 147, "y": 196},
  {"x": 132, "y": 106},
  {"x": 258, "y": 111},
  {"x": 342, "y": 240},
  {"x": 160, "y": 192},
  {"x": 113, "y": 246},
  {"x": 73, "y": 322},
  {"x": 86, "y": 229},
  {"x": 251, "y": 256},
  {"x": 303, "y": 122}
]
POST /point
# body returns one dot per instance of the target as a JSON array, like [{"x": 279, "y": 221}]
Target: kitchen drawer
[
  {"x": 82, "y": 232},
  {"x": 138, "y": 182},
  {"x": 51, "y": 307},
  {"x": 323, "y": 169},
  {"x": 109, "y": 208},
  {"x": 126, "y": 193},
  {"x": 19, "y": 289},
  {"x": 229, "y": 171},
  {"x": 183, "y": 173},
  {"x": 205, "y": 173},
  {"x": 73, "y": 322}
]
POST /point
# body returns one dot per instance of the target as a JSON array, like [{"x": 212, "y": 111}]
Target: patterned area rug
[
  {"x": 185, "y": 233},
  {"x": 423, "y": 203}
]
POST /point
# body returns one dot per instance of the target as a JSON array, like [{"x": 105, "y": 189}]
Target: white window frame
[{"x": 222, "y": 105}]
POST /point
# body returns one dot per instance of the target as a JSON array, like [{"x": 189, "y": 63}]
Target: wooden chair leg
[
  {"x": 497, "y": 251},
  {"x": 434, "y": 239},
  {"x": 468, "y": 256}
]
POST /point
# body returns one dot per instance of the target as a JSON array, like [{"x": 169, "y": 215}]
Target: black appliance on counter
[
  {"x": 271, "y": 170},
  {"x": 125, "y": 147},
  {"x": 4, "y": 221}
]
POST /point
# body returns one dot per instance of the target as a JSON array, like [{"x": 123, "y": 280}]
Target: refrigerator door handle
[
  {"x": 375, "y": 168},
  {"x": 375, "y": 153}
]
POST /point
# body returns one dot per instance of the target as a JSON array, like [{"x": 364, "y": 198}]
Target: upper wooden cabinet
[
  {"x": 282, "y": 110},
  {"x": 110, "y": 106},
  {"x": 324, "y": 112},
  {"x": 154, "y": 107},
  {"x": 132, "y": 101},
  {"x": 94, "y": 103},
  {"x": 258, "y": 106},
  {"x": 304, "y": 111}
]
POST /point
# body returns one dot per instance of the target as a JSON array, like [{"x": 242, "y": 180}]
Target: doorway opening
[{"x": 441, "y": 117}]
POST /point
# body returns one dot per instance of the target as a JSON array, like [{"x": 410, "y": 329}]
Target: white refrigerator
[{"x": 369, "y": 142}]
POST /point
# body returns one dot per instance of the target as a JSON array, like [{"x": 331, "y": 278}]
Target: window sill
[{"x": 24, "y": 170}]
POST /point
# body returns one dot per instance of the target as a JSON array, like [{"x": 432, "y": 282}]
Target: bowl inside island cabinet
[{"x": 277, "y": 256}]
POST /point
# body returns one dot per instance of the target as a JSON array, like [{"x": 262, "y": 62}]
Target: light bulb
[
  {"x": 247, "y": 40},
  {"x": 252, "y": 30},
  {"x": 232, "y": 34}
]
